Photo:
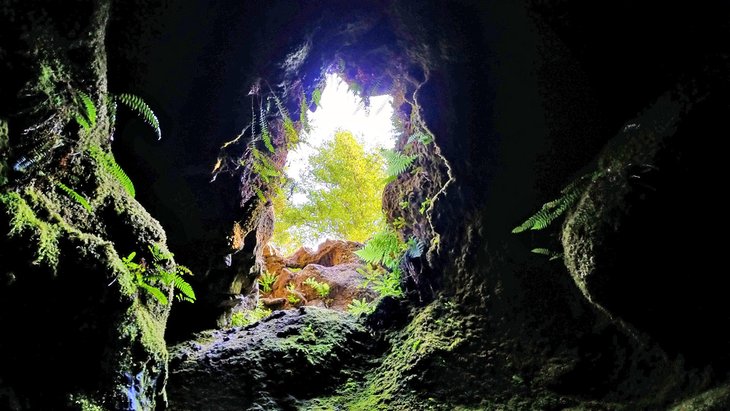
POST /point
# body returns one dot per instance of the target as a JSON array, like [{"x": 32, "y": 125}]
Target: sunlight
[{"x": 342, "y": 109}]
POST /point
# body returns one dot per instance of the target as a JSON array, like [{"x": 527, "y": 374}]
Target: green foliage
[
  {"x": 303, "y": 118},
  {"x": 266, "y": 281},
  {"x": 399, "y": 223},
  {"x": 359, "y": 307},
  {"x": 396, "y": 163},
  {"x": 420, "y": 137},
  {"x": 317, "y": 96},
  {"x": 247, "y": 317},
  {"x": 290, "y": 132},
  {"x": 86, "y": 117},
  {"x": 160, "y": 272},
  {"x": 385, "y": 283},
  {"x": 551, "y": 210},
  {"x": 136, "y": 104},
  {"x": 544, "y": 251},
  {"x": 292, "y": 294},
  {"x": 24, "y": 219},
  {"x": 264, "y": 166},
  {"x": 385, "y": 247},
  {"x": 71, "y": 193},
  {"x": 425, "y": 205},
  {"x": 414, "y": 248},
  {"x": 108, "y": 163},
  {"x": 322, "y": 288},
  {"x": 265, "y": 134},
  {"x": 344, "y": 187}
]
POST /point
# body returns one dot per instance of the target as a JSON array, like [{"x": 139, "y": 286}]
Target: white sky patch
[{"x": 342, "y": 109}]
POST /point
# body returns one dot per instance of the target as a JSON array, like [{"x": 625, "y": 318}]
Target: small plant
[
  {"x": 551, "y": 210},
  {"x": 404, "y": 204},
  {"x": 359, "y": 307},
  {"x": 292, "y": 294},
  {"x": 385, "y": 283},
  {"x": 86, "y": 117},
  {"x": 425, "y": 205},
  {"x": 396, "y": 163},
  {"x": 544, "y": 251},
  {"x": 247, "y": 317},
  {"x": 266, "y": 281},
  {"x": 414, "y": 248},
  {"x": 399, "y": 223},
  {"x": 142, "y": 109},
  {"x": 383, "y": 248},
  {"x": 71, "y": 193},
  {"x": 161, "y": 272},
  {"x": 322, "y": 288},
  {"x": 108, "y": 163}
]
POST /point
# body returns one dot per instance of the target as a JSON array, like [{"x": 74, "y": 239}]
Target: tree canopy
[{"x": 343, "y": 185}]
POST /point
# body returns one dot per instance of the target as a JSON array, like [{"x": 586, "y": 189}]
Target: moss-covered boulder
[
  {"x": 272, "y": 364},
  {"x": 639, "y": 241}
]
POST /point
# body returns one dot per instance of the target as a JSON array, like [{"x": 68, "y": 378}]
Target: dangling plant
[
  {"x": 551, "y": 210},
  {"x": 142, "y": 109}
]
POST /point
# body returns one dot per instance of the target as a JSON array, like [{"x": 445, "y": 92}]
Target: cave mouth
[
  {"x": 336, "y": 176},
  {"x": 342, "y": 201}
]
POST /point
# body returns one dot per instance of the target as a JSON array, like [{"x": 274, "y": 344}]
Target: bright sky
[{"x": 342, "y": 109}]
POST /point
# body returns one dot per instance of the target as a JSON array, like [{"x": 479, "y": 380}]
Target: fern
[
  {"x": 142, "y": 109},
  {"x": 322, "y": 288},
  {"x": 421, "y": 137},
  {"x": 172, "y": 277},
  {"x": 265, "y": 134},
  {"x": 266, "y": 281},
  {"x": 87, "y": 120},
  {"x": 154, "y": 291},
  {"x": 317, "y": 96},
  {"x": 75, "y": 196},
  {"x": 383, "y": 248},
  {"x": 414, "y": 248},
  {"x": 551, "y": 210},
  {"x": 396, "y": 162},
  {"x": 107, "y": 162},
  {"x": 359, "y": 307},
  {"x": 303, "y": 109},
  {"x": 544, "y": 251},
  {"x": 292, "y": 137}
]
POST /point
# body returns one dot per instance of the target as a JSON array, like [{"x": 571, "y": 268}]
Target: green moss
[
  {"x": 435, "y": 331},
  {"x": 23, "y": 220},
  {"x": 149, "y": 329}
]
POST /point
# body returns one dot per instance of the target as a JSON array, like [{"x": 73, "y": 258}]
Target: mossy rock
[{"x": 291, "y": 355}]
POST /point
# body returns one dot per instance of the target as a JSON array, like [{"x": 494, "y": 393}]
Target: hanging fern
[
  {"x": 544, "y": 251},
  {"x": 265, "y": 134},
  {"x": 75, "y": 196},
  {"x": 396, "y": 162},
  {"x": 142, "y": 109},
  {"x": 292, "y": 137},
  {"x": 171, "y": 277},
  {"x": 303, "y": 109},
  {"x": 550, "y": 211},
  {"x": 317, "y": 96},
  {"x": 107, "y": 162},
  {"x": 87, "y": 120}
]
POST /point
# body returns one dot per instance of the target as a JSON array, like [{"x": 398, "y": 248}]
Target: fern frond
[
  {"x": 421, "y": 137},
  {"x": 155, "y": 292},
  {"x": 108, "y": 163},
  {"x": 396, "y": 162},
  {"x": 383, "y": 248},
  {"x": 265, "y": 134},
  {"x": 87, "y": 119},
  {"x": 143, "y": 110},
  {"x": 303, "y": 109},
  {"x": 317, "y": 96},
  {"x": 551, "y": 210},
  {"x": 292, "y": 137},
  {"x": 414, "y": 248},
  {"x": 75, "y": 196}
]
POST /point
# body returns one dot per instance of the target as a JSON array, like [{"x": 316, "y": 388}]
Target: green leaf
[
  {"x": 396, "y": 162},
  {"x": 108, "y": 163},
  {"x": 142, "y": 109}
]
